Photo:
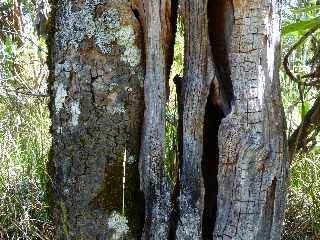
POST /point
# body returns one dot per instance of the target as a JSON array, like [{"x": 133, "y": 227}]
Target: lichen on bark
[
  {"x": 96, "y": 91},
  {"x": 97, "y": 81}
]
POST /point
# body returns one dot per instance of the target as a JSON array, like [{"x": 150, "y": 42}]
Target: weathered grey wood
[
  {"x": 198, "y": 75},
  {"x": 97, "y": 110},
  {"x": 252, "y": 144},
  {"x": 220, "y": 21},
  {"x": 157, "y": 18},
  {"x": 105, "y": 52}
]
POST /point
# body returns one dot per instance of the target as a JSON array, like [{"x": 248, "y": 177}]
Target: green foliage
[
  {"x": 302, "y": 214},
  {"x": 303, "y": 210},
  {"x": 24, "y": 129},
  {"x": 312, "y": 9},
  {"x": 172, "y": 159},
  {"x": 301, "y": 27}
]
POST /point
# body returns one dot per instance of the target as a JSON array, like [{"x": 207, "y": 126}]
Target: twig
[
  {"x": 295, "y": 46},
  {"x": 311, "y": 122}
]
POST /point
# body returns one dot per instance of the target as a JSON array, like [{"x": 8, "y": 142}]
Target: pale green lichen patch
[
  {"x": 131, "y": 55},
  {"x": 131, "y": 160},
  {"x": 59, "y": 99},
  {"x": 105, "y": 30},
  {"x": 59, "y": 130},
  {"x": 62, "y": 71},
  {"x": 64, "y": 219},
  {"x": 119, "y": 225},
  {"x": 75, "y": 113},
  {"x": 118, "y": 108}
]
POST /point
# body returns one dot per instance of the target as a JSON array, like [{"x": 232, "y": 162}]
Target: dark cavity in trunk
[
  {"x": 220, "y": 23},
  {"x": 210, "y": 162}
]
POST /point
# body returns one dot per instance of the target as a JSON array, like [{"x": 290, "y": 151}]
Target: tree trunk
[
  {"x": 107, "y": 55},
  {"x": 252, "y": 175},
  {"x": 199, "y": 73},
  {"x": 157, "y": 19},
  {"x": 97, "y": 110},
  {"x": 252, "y": 171}
]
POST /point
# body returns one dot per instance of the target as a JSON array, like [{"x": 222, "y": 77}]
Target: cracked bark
[
  {"x": 107, "y": 55},
  {"x": 252, "y": 144},
  {"x": 198, "y": 75},
  {"x": 158, "y": 21},
  {"x": 97, "y": 110}
]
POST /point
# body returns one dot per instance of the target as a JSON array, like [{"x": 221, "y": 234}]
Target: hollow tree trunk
[
  {"x": 106, "y": 55},
  {"x": 252, "y": 175},
  {"x": 97, "y": 110}
]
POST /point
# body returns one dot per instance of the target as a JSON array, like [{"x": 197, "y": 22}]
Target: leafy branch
[{"x": 304, "y": 137}]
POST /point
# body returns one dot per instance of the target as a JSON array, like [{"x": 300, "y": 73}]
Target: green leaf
[
  {"x": 306, "y": 9},
  {"x": 301, "y": 26},
  {"x": 9, "y": 46},
  {"x": 304, "y": 109}
]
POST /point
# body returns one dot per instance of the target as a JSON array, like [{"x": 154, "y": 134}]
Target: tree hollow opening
[
  {"x": 210, "y": 163},
  {"x": 220, "y": 23}
]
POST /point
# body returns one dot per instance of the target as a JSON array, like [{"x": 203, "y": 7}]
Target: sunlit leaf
[
  {"x": 306, "y": 9},
  {"x": 305, "y": 108},
  {"x": 301, "y": 26}
]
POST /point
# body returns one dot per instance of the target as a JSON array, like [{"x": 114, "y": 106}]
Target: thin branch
[
  {"x": 32, "y": 94},
  {"x": 294, "y": 47},
  {"x": 314, "y": 79},
  {"x": 311, "y": 122},
  {"x": 311, "y": 75}
]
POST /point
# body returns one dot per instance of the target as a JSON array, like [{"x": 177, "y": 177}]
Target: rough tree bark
[
  {"x": 252, "y": 176},
  {"x": 97, "y": 109},
  {"x": 107, "y": 55},
  {"x": 199, "y": 73},
  {"x": 157, "y": 19},
  {"x": 252, "y": 144}
]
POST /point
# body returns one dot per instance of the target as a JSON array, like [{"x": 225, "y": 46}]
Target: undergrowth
[{"x": 24, "y": 131}]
